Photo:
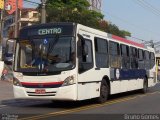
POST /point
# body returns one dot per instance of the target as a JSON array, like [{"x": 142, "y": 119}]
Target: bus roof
[
  {"x": 49, "y": 24},
  {"x": 131, "y": 42},
  {"x": 69, "y": 30}
]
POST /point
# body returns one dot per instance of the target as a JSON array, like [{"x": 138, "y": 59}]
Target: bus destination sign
[
  {"x": 46, "y": 30},
  {"x": 50, "y": 31}
]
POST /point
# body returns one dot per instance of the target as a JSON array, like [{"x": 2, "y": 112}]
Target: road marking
[
  {"x": 78, "y": 109},
  {"x": 83, "y": 108},
  {"x": 153, "y": 92},
  {"x": 3, "y": 106}
]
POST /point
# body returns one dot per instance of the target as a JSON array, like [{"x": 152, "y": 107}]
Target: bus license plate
[{"x": 40, "y": 91}]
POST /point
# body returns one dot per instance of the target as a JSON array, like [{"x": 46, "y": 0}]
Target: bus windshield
[{"x": 46, "y": 55}]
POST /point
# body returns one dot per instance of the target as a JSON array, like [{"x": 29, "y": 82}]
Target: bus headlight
[
  {"x": 69, "y": 81},
  {"x": 16, "y": 82}
]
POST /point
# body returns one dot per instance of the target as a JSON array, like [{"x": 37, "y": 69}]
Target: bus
[{"x": 70, "y": 61}]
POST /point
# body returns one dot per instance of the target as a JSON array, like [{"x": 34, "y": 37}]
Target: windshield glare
[{"x": 46, "y": 55}]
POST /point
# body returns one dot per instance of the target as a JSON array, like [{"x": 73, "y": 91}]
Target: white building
[{"x": 95, "y": 5}]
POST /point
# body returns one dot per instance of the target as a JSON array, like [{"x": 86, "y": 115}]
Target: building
[
  {"x": 28, "y": 16},
  {"x": 96, "y": 5}
]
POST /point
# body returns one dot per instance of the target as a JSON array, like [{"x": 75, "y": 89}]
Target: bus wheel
[
  {"x": 145, "y": 85},
  {"x": 104, "y": 92}
]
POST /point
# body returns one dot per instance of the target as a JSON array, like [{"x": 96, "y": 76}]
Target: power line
[
  {"x": 157, "y": 10},
  {"x": 148, "y": 7},
  {"x": 130, "y": 24},
  {"x": 139, "y": 39}
]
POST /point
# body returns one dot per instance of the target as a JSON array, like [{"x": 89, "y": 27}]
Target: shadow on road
[
  {"x": 64, "y": 104},
  {"x": 72, "y": 104}
]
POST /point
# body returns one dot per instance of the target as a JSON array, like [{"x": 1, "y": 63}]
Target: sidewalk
[
  {"x": 6, "y": 91},
  {"x": 6, "y": 87}
]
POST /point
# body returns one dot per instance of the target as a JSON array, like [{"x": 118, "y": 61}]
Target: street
[{"x": 121, "y": 106}]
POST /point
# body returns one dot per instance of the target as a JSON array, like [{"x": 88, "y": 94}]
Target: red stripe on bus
[
  {"x": 127, "y": 41},
  {"x": 49, "y": 83}
]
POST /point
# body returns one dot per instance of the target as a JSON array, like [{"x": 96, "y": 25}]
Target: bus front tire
[{"x": 104, "y": 92}]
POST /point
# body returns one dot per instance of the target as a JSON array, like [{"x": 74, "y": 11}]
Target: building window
[
  {"x": 24, "y": 14},
  {"x": 35, "y": 15}
]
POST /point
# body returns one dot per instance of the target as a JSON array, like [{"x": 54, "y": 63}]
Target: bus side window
[
  {"x": 141, "y": 59},
  {"x": 152, "y": 60},
  {"x": 147, "y": 60},
  {"x": 85, "y": 55},
  {"x": 101, "y": 53},
  {"x": 133, "y": 57},
  {"x": 125, "y": 56},
  {"x": 114, "y": 51}
]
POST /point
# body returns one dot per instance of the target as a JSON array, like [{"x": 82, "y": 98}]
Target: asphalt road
[{"x": 131, "y": 105}]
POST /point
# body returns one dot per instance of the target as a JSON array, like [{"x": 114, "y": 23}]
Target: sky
[{"x": 133, "y": 16}]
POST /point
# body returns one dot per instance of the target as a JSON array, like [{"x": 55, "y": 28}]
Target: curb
[
  {"x": 8, "y": 81},
  {"x": 9, "y": 101},
  {"x": 19, "y": 101}
]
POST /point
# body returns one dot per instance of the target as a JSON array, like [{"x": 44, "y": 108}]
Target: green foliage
[
  {"x": 72, "y": 11},
  {"x": 113, "y": 29},
  {"x": 77, "y": 11}
]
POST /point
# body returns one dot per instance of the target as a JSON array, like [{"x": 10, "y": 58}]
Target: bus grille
[{"x": 45, "y": 94}]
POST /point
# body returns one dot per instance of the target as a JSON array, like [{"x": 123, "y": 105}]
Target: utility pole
[
  {"x": 1, "y": 31},
  {"x": 43, "y": 11},
  {"x": 16, "y": 21},
  {"x": 1, "y": 24},
  {"x": 1, "y": 34},
  {"x": 1, "y": 20}
]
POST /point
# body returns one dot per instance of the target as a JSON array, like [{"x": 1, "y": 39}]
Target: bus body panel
[
  {"x": 62, "y": 93},
  {"x": 126, "y": 85},
  {"x": 32, "y": 83},
  {"x": 89, "y": 81}
]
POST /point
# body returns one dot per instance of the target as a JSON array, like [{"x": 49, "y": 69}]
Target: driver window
[{"x": 85, "y": 55}]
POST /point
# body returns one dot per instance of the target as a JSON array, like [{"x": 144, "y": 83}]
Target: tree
[
  {"x": 72, "y": 11},
  {"x": 113, "y": 29},
  {"x": 78, "y": 11}
]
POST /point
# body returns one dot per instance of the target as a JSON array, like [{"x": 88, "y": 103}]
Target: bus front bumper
[{"x": 61, "y": 93}]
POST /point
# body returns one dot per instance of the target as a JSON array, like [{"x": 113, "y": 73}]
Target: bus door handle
[{"x": 97, "y": 69}]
